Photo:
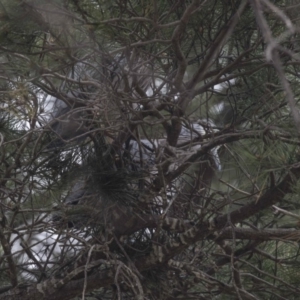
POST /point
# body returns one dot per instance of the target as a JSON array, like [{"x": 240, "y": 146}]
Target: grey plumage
[
  {"x": 145, "y": 149},
  {"x": 144, "y": 152},
  {"x": 92, "y": 82},
  {"x": 108, "y": 186},
  {"x": 67, "y": 126}
]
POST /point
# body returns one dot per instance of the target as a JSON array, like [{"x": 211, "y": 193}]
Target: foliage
[{"x": 149, "y": 149}]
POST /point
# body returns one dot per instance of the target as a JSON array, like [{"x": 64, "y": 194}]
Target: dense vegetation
[{"x": 149, "y": 149}]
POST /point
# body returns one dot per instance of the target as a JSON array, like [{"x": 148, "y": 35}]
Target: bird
[{"x": 67, "y": 126}]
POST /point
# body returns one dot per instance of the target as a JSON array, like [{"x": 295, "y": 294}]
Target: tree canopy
[{"x": 149, "y": 149}]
